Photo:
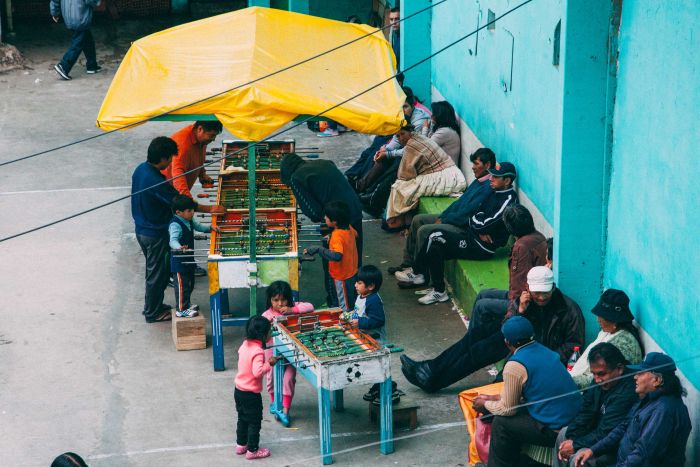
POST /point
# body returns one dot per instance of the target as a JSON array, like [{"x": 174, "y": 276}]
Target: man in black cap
[
  {"x": 605, "y": 405},
  {"x": 534, "y": 375},
  {"x": 656, "y": 430},
  {"x": 485, "y": 234},
  {"x": 315, "y": 183}
]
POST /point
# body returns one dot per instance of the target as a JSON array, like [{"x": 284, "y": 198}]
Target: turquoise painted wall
[
  {"x": 654, "y": 209},
  {"x": 522, "y": 124}
]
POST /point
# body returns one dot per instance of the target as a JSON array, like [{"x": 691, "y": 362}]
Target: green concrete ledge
[{"x": 467, "y": 277}]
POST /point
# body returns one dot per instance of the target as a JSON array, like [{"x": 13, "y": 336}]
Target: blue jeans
[{"x": 81, "y": 42}]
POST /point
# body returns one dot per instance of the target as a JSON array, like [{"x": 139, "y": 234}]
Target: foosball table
[
  {"x": 332, "y": 355},
  {"x": 257, "y": 242}
]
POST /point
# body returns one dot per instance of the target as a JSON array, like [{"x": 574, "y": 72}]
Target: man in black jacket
[
  {"x": 316, "y": 183},
  {"x": 480, "y": 240},
  {"x": 605, "y": 406},
  {"x": 556, "y": 318}
]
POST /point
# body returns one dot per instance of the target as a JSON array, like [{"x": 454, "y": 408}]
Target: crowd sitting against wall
[{"x": 613, "y": 406}]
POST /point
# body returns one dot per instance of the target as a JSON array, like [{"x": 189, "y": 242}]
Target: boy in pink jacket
[
  {"x": 252, "y": 365},
  {"x": 279, "y": 303}
]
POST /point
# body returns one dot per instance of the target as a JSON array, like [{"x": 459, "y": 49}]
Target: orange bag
[{"x": 466, "y": 398}]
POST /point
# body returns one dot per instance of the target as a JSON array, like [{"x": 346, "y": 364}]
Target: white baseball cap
[{"x": 540, "y": 279}]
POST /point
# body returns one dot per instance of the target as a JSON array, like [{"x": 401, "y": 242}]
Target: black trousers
[
  {"x": 249, "y": 408},
  {"x": 479, "y": 347},
  {"x": 156, "y": 250},
  {"x": 508, "y": 434},
  {"x": 183, "y": 286},
  {"x": 442, "y": 245},
  {"x": 366, "y": 159},
  {"x": 489, "y": 309}
]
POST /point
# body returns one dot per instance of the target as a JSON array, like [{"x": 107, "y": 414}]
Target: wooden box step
[
  {"x": 189, "y": 333},
  {"x": 405, "y": 412}
]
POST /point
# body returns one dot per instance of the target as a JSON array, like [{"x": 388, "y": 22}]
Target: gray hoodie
[{"x": 77, "y": 14}]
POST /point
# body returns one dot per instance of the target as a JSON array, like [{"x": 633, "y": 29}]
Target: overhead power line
[{"x": 272, "y": 136}]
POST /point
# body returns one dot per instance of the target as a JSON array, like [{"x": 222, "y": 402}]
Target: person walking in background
[{"x": 77, "y": 14}]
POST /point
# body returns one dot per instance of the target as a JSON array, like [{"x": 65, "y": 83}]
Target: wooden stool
[
  {"x": 189, "y": 333},
  {"x": 405, "y": 411}
]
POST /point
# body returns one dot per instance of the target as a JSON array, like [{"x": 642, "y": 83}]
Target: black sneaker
[
  {"x": 94, "y": 70},
  {"x": 199, "y": 271},
  {"x": 61, "y": 72},
  {"x": 171, "y": 282}
]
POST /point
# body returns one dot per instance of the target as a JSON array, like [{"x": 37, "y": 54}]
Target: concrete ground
[{"x": 82, "y": 371}]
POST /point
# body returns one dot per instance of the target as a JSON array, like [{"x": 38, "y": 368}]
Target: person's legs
[
  {"x": 472, "y": 355},
  {"x": 89, "y": 50},
  {"x": 288, "y": 385},
  {"x": 508, "y": 434},
  {"x": 74, "y": 50},
  {"x": 360, "y": 167},
  {"x": 419, "y": 224},
  {"x": 488, "y": 311},
  {"x": 345, "y": 291},
  {"x": 155, "y": 250},
  {"x": 242, "y": 423},
  {"x": 254, "y": 418}
]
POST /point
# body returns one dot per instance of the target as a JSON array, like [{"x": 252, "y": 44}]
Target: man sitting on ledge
[
  {"x": 485, "y": 234},
  {"x": 556, "y": 318}
]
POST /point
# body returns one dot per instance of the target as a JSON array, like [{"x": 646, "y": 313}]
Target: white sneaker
[
  {"x": 194, "y": 307},
  {"x": 402, "y": 272},
  {"x": 188, "y": 313},
  {"x": 410, "y": 277},
  {"x": 433, "y": 297}
]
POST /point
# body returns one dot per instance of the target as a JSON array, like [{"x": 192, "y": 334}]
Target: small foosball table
[{"x": 333, "y": 355}]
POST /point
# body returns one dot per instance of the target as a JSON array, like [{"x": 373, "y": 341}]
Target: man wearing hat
[
  {"x": 656, "y": 431},
  {"x": 534, "y": 375},
  {"x": 556, "y": 319},
  {"x": 486, "y": 233}
]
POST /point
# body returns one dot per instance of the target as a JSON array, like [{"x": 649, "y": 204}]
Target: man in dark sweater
[
  {"x": 556, "y": 318},
  {"x": 480, "y": 240},
  {"x": 316, "y": 183},
  {"x": 151, "y": 201},
  {"x": 605, "y": 405},
  {"x": 456, "y": 216},
  {"x": 656, "y": 430}
]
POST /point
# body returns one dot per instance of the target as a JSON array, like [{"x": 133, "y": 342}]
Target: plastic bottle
[{"x": 573, "y": 359}]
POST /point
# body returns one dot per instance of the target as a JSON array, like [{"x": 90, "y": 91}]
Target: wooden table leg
[
  {"x": 324, "y": 424},
  {"x": 386, "y": 427}
]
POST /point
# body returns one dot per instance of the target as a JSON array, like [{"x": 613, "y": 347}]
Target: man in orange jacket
[{"x": 191, "y": 150}]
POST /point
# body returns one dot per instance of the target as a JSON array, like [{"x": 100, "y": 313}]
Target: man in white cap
[{"x": 557, "y": 321}]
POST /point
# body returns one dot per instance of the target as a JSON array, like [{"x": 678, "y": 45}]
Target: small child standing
[
  {"x": 251, "y": 368},
  {"x": 368, "y": 315},
  {"x": 341, "y": 252},
  {"x": 182, "y": 265},
  {"x": 280, "y": 302}
]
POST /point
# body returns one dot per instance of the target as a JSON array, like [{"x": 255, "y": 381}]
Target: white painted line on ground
[
  {"x": 202, "y": 447},
  {"x": 65, "y": 190}
]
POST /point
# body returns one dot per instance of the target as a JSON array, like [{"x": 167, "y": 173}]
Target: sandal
[{"x": 165, "y": 316}]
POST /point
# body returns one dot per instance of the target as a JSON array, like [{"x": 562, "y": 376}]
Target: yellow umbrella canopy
[{"x": 186, "y": 65}]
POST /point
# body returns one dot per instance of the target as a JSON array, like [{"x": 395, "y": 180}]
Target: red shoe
[
  {"x": 259, "y": 454},
  {"x": 240, "y": 450}
]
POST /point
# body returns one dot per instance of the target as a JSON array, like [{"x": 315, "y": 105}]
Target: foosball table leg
[
  {"x": 324, "y": 424},
  {"x": 338, "y": 404},
  {"x": 386, "y": 428},
  {"x": 278, "y": 382},
  {"x": 217, "y": 337}
]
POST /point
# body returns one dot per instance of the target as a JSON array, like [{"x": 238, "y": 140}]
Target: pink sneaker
[
  {"x": 240, "y": 450},
  {"x": 259, "y": 454}
]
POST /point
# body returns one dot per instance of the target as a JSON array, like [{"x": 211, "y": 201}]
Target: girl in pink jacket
[
  {"x": 252, "y": 365},
  {"x": 279, "y": 303}
]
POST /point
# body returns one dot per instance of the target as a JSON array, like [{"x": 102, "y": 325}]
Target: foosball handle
[{"x": 395, "y": 349}]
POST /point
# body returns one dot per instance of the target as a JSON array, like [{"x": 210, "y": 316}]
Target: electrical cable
[
  {"x": 270, "y": 137},
  {"x": 130, "y": 125}
]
